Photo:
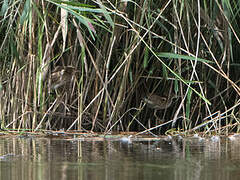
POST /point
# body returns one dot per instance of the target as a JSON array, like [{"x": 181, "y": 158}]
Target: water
[{"x": 166, "y": 158}]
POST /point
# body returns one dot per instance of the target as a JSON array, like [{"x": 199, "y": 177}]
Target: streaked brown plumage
[
  {"x": 158, "y": 102},
  {"x": 62, "y": 75}
]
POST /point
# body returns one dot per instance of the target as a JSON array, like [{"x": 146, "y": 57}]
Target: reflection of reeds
[{"x": 114, "y": 64}]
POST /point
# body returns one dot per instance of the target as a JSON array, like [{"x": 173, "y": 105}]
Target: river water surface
[{"x": 34, "y": 158}]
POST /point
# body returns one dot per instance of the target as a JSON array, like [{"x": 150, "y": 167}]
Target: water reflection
[{"x": 167, "y": 158}]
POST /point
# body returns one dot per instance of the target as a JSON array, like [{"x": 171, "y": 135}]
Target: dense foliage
[{"x": 118, "y": 52}]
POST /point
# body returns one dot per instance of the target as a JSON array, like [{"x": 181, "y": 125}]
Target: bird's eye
[{"x": 164, "y": 99}]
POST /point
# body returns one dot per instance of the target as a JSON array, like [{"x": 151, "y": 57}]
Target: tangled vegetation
[{"x": 89, "y": 65}]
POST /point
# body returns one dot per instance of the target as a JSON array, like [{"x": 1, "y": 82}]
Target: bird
[
  {"x": 157, "y": 102},
  {"x": 61, "y": 76}
]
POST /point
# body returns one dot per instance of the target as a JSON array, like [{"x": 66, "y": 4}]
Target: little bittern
[
  {"x": 158, "y": 102},
  {"x": 62, "y": 75}
]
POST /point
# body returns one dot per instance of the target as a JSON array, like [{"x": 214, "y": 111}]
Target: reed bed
[{"x": 120, "y": 51}]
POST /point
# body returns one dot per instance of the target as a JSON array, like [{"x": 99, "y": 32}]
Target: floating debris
[
  {"x": 126, "y": 139},
  {"x": 233, "y": 137},
  {"x": 215, "y": 138}
]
